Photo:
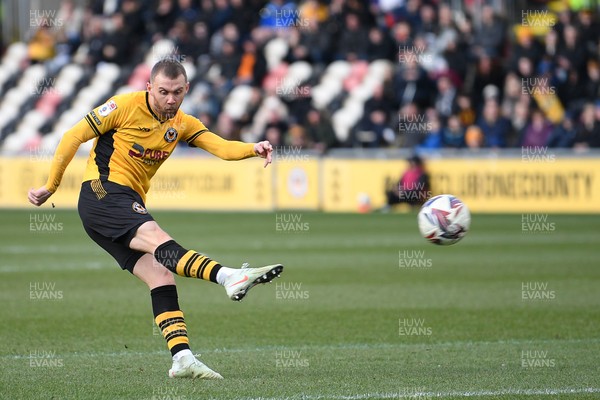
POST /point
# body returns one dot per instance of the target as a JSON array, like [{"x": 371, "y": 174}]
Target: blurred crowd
[{"x": 460, "y": 78}]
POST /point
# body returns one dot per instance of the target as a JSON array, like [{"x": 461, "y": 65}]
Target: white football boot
[
  {"x": 189, "y": 366},
  {"x": 242, "y": 280}
]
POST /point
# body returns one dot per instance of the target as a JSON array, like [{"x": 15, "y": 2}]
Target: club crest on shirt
[
  {"x": 107, "y": 108},
  {"x": 138, "y": 208},
  {"x": 171, "y": 135}
]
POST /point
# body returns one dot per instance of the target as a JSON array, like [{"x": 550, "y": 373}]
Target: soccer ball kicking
[
  {"x": 444, "y": 220},
  {"x": 134, "y": 134}
]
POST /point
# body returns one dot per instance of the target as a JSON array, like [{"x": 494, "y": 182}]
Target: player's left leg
[
  {"x": 169, "y": 318},
  {"x": 151, "y": 239}
]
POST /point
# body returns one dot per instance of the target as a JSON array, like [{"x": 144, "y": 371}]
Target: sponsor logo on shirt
[{"x": 147, "y": 156}]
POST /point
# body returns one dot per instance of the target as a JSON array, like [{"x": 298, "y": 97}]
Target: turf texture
[{"x": 365, "y": 309}]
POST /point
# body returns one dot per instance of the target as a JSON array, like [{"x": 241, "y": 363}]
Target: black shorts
[{"x": 111, "y": 214}]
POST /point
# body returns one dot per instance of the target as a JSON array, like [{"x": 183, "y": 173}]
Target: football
[{"x": 444, "y": 219}]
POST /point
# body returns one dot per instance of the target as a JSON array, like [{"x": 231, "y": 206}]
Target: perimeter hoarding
[
  {"x": 562, "y": 185},
  {"x": 182, "y": 183},
  {"x": 486, "y": 185}
]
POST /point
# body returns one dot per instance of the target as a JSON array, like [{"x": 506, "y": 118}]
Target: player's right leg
[{"x": 150, "y": 238}]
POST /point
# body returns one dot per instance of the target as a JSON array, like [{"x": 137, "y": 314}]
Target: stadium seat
[
  {"x": 300, "y": 71},
  {"x": 275, "y": 50},
  {"x": 237, "y": 102}
]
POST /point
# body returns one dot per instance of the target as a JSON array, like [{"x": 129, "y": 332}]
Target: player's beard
[{"x": 168, "y": 112}]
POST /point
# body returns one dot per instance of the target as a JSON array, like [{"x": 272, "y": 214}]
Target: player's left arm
[{"x": 228, "y": 149}]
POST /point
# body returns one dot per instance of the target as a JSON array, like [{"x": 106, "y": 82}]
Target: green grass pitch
[{"x": 365, "y": 309}]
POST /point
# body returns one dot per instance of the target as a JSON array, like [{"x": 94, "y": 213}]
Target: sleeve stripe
[
  {"x": 195, "y": 135},
  {"x": 91, "y": 124}
]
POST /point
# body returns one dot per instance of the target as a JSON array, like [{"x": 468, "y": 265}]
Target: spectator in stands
[
  {"x": 563, "y": 135},
  {"x": 446, "y": 96},
  {"x": 187, "y": 11},
  {"x": 488, "y": 72},
  {"x": 69, "y": 33},
  {"x": 465, "y": 111},
  {"x": 381, "y": 46},
  {"x": 474, "y": 138},
  {"x": 427, "y": 26},
  {"x": 412, "y": 84},
  {"x": 433, "y": 139},
  {"x": 379, "y": 101},
  {"x": 116, "y": 47},
  {"x": 274, "y": 135},
  {"x": 244, "y": 15},
  {"x": 453, "y": 135},
  {"x": 494, "y": 126},
  {"x": 411, "y": 14},
  {"x": 413, "y": 188},
  {"x": 228, "y": 33},
  {"x": 229, "y": 63},
  {"x": 587, "y": 27},
  {"x": 489, "y": 36},
  {"x": 592, "y": 84},
  {"x": 133, "y": 21},
  {"x": 353, "y": 43},
  {"x": 373, "y": 131},
  {"x": 221, "y": 15},
  {"x": 402, "y": 36},
  {"x": 446, "y": 31},
  {"x": 588, "y": 130},
  {"x": 571, "y": 54},
  {"x": 253, "y": 66},
  {"x": 313, "y": 43},
  {"x": 538, "y": 131},
  {"x": 297, "y": 137},
  {"x": 320, "y": 131},
  {"x": 526, "y": 47},
  {"x": 278, "y": 14},
  {"x": 164, "y": 17},
  {"x": 519, "y": 119},
  {"x": 41, "y": 45},
  {"x": 409, "y": 124},
  {"x": 513, "y": 90},
  {"x": 183, "y": 40}
]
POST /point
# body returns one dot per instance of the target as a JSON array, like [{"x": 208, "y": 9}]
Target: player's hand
[
  {"x": 37, "y": 197},
  {"x": 264, "y": 150}
]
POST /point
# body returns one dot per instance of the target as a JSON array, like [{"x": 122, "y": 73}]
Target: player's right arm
[
  {"x": 63, "y": 155},
  {"x": 100, "y": 120}
]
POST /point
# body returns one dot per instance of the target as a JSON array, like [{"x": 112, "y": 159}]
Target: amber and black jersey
[{"x": 132, "y": 142}]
